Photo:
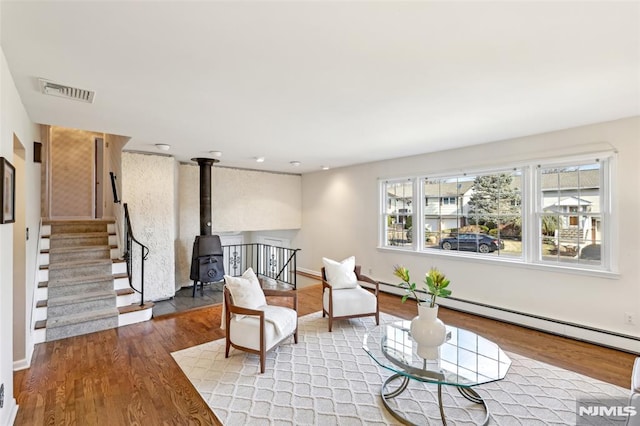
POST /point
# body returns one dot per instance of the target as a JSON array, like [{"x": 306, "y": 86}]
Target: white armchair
[
  {"x": 342, "y": 295},
  {"x": 252, "y": 325}
]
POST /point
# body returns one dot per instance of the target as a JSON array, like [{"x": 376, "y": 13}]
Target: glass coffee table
[{"x": 465, "y": 360}]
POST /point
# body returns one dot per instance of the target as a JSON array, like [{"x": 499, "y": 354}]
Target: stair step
[
  {"x": 69, "y": 286},
  {"x": 81, "y": 317},
  {"x": 75, "y": 226},
  {"x": 72, "y": 248},
  {"x": 79, "y": 268},
  {"x": 77, "y": 221},
  {"x": 72, "y": 235},
  {"x": 79, "y": 253},
  {"x": 81, "y": 323},
  {"x": 79, "y": 239},
  {"x": 78, "y": 263},
  {"x": 135, "y": 307},
  {"x": 84, "y": 302},
  {"x": 45, "y": 284},
  {"x": 41, "y": 304},
  {"x": 124, "y": 292},
  {"x": 40, "y": 324},
  {"x": 83, "y": 297}
]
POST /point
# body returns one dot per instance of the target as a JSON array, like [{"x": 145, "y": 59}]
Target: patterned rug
[{"x": 328, "y": 379}]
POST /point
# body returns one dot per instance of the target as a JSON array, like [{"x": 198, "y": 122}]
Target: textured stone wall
[
  {"x": 242, "y": 201},
  {"x": 249, "y": 200},
  {"x": 148, "y": 189}
]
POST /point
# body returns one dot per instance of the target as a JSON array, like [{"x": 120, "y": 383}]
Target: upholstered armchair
[
  {"x": 342, "y": 295},
  {"x": 252, "y": 325}
]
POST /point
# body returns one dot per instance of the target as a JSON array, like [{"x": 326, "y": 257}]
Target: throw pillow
[
  {"x": 340, "y": 274},
  {"x": 245, "y": 290}
]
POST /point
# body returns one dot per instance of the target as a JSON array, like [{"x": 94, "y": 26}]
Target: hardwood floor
[{"x": 126, "y": 376}]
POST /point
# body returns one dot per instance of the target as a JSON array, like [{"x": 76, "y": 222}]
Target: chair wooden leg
[
  {"x": 295, "y": 336},
  {"x": 377, "y": 318},
  {"x": 226, "y": 352},
  {"x": 330, "y": 323},
  {"x": 263, "y": 359}
]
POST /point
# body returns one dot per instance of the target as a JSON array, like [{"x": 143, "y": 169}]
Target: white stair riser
[
  {"x": 43, "y": 259},
  {"x": 125, "y": 300},
  {"x": 120, "y": 283},
  {"x": 134, "y": 317},
  {"x": 119, "y": 268},
  {"x": 39, "y": 335},
  {"x": 45, "y": 243},
  {"x": 42, "y": 293},
  {"x": 45, "y": 230},
  {"x": 41, "y": 314}
]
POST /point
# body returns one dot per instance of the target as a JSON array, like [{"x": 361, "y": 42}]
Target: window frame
[{"x": 530, "y": 203}]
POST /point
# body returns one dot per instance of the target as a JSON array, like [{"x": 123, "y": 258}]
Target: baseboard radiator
[{"x": 597, "y": 336}]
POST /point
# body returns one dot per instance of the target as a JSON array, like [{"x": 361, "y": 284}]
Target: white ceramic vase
[{"x": 428, "y": 331}]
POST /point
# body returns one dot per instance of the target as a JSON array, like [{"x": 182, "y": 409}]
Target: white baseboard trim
[
  {"x": 309, "y": 272},
  {"x": 561, "y": 328},
  {"x": 21, "y": 364},
  {"x": 13, "y": 412}
]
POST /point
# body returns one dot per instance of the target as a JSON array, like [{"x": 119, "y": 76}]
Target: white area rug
[{"x": 328, "y": 379}]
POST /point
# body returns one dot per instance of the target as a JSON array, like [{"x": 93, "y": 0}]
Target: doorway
[{"x": 20, "y": 323}]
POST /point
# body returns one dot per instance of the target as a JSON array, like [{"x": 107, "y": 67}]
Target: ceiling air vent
[{"x": 62, "y": 91}]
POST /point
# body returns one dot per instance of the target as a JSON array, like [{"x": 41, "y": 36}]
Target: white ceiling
[{"x": 324, "y": 83}]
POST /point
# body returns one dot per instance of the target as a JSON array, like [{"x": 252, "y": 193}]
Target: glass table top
[{"x": 465, "y": 359}]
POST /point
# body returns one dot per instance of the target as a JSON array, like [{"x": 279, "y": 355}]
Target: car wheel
[
  {"x": 483, "y": 248},
  {"x": 446, "y": 245}
]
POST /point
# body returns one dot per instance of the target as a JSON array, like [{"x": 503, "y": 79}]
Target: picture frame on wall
[{"x": 7, "y": 192}]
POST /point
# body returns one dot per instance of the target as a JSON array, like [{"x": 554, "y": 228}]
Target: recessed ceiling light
[
  {"x": 163, "y": 146},
  {"x": 216, "y": 154},
  {"x": 325, "y": 167},
  {"x": 295, "y": 163},
  {"x": 259, "y": 159}
]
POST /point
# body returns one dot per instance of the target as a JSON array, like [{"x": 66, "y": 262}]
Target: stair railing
[
  {"x": 130, "y": 240},
  {"x": 278, "y": 263}
]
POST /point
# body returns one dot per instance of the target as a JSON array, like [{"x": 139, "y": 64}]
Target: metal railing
[
  {"x": 278, "y": 263},
  {"x": 130, "y": 255}
]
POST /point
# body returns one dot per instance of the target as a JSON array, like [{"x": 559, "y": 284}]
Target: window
[
  {"x": 559, "y": 218},
  {"x": 478, "y": 213},
  {"x": 571, "y": 220},
  {"x": 397, "y": 212}
]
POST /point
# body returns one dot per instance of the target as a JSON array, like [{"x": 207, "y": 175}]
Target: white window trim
[{"x": 530, "y": 225}]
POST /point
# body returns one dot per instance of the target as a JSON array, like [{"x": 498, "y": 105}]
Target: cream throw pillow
[
  {"x": 340, "y": 274},
  {"x": 245, "y": 290}
]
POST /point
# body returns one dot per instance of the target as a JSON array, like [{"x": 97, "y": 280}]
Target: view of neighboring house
[{"x": 569, "y": 198}]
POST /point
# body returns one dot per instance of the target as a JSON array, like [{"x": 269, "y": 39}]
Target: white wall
[
  {"x": 14, "y": 121},
  {"x": 148, "y": 189},
  {"x": 340, "y": 217}
]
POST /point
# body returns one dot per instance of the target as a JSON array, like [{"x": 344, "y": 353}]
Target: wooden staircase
[{"x": 83, "y": 285}]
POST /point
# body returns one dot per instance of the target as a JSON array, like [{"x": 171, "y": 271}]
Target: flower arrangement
[{"x": 435, "y": 282}]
